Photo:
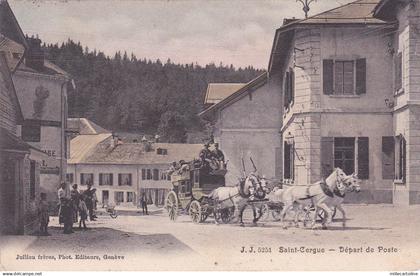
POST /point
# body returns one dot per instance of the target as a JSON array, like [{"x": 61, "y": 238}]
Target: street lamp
[{"x": 306, "y": 4}]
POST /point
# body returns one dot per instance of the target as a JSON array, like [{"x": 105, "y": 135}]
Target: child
[
  {"x": 44, "y": 217},
  {"x": 83, "y": 211}
]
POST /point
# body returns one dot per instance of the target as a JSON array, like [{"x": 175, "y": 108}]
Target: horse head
[{"x": 351, "y": 183}]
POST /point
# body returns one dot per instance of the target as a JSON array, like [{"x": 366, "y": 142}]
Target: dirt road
[{"x": 377, "y": 237}]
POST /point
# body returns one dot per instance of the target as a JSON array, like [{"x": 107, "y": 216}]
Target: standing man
[
  {"x": 65, "y": 211},
  {"x": 89, "y": 200},
  {"x": 75, "y": 197},
  {"x": 143, "y": 202},
  {"x": 205, "y": 156}
]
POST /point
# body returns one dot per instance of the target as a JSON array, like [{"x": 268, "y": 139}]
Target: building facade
[
  {"x": 120, "y": 172},
  {"x": 19, "y": 162},
  {"x": 42, "y": 91},
  {"x": 246, "y": 125},
  {"x": 405, "y": 51},
  {"x": 345, "y": 101}
]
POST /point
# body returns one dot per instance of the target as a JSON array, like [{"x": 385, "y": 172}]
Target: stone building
[{"x": 246, "y": 124}]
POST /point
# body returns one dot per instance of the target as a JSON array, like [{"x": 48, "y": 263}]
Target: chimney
[
  {"x": 34, "y": 57},
  {"x": 146, "y": 144}
]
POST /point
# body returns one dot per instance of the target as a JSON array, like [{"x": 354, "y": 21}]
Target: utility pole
[{"x": 306, "y": 4}]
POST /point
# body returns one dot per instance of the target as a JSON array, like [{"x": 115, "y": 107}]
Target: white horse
[
  {"x": 236, "y": 196},
  {"x": 351, "y": 184},
  {"x": 319, "y": 194}
]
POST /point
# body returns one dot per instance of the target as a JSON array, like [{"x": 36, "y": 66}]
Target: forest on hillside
[{"x": 130, "y": 94}]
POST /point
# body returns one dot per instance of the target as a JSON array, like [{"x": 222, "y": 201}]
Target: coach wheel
[
  {"x": 171, "y": 205},
  {"x": 195, "y": 211}
]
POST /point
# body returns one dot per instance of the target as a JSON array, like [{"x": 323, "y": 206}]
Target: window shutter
[
  {"x": 398, "y": 72},
  {"x": 388, "y": 157},
  {"x": 361, "y": 76},
  {"x": 292, "y": 85},
  {"x": 143, "y": 174},
  {"x": 363, "y": 157},
  {"x": 119, "y": 180},
  {"x": 111, "y": 179},
  {"x": 286, "y": 173},
  {"x": 286, "y": 89},
  {"x": 327, "y": 156},
  {"x": 328, "y": 75},
  {"x": 278, "y": 162},
  {"x": 155, "y": 174}
]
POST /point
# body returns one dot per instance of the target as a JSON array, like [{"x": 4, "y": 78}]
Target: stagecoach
[{"x": 191, "y": 185}]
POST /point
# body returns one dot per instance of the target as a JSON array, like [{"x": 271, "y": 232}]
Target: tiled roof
[
  {"x": 131, "y": 153},
  {"x": 219, "y": 91},
  {"x": 85, "y": 127},
  {"x": 360, "y": 11},
  {"x": 83, "y": 145}
]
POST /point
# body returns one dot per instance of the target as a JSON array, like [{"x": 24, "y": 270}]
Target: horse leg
[
  {"x": 283, "y": 214},
  {"x": 241, "y": 213},
  {"x": 340, "y": 208},
  {"x": 328, "y": 215},
  {"x": 298, "y": 210},
  {"x": 314, "y": 216}
]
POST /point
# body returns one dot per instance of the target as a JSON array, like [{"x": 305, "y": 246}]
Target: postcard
[{"x": 201, "y": 135}]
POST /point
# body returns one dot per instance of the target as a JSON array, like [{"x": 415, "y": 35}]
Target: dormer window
[{"x": 161, "y": 151}]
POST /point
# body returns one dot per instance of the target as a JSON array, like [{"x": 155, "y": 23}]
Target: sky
[{"x": 238, "y": 32}]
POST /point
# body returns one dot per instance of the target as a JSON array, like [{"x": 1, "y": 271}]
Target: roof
[
  {"x": 9, "y": 26},
  {"x": 128, "y": 153},
  {"x": 386, "y": 9},
  {"x": 85, "y": 126},
  {"x": 49, "y": 68},
  {"x": 8, "y": 141},
  {"x": 82, "y": 145},
  {"x": 237, "y": 95},
  {"x": 218, "y": 91},
  {"x": 356, "y": 13}
]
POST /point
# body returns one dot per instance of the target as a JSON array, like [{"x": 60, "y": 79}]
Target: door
[
  {"x": 8, "y": 200},
  {"x": 105, "y": 198}
]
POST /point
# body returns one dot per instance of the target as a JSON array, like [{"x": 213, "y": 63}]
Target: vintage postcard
[{"x": 192, "y": 135}]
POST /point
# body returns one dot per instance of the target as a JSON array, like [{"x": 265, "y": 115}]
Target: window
[
  {"x": 341, "y": 152},
  {"x": 163, "y": 175},
  {"x": 398, "y": 75},
  {"x": 289, "y": 161},
  {"x": 196, "y": 176},
  {"x": 388, "y": 158},
  {"x": 400, "y": 158},
  {"x": 344, "y": 77},
  {"x": 70, "y": 178},
  {"x": 130, "y": 197},
  {"x": 86, "y": 179},
  {"x": 31, "y": 131},
  {"x": 143, "y": 174},
  {"x": 155, "y": 174},
  {"x": 106, "y": 179},
  {"x": 32, "y": 180},
  {"x": 289, "y": 88},
  {"x": 119, "y": 197},
  {"x": 148, "y": 174},
  {"x": 124, "y": 179},
  {"x": 344, "y": 154}
]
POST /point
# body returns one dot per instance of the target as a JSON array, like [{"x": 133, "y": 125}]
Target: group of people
[
  {"x": 76, "y": 206},
  {"x": 213, "y": 159}
]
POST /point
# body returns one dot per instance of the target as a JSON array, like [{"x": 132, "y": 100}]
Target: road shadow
[{"x": 107, "y": 240}]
